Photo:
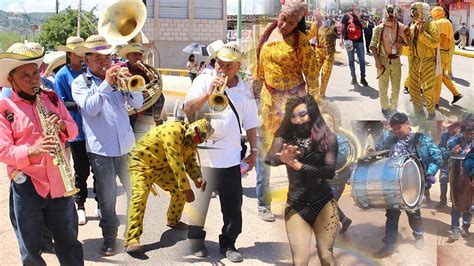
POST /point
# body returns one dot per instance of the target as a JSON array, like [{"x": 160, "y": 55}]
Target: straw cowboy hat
[
  {"x": 230, "y": 52},
  {"x": 130, "y": 48},
  {"x": 71, "y": 44},
  {"x": 17, "y": 55},
  {"x": 95, "y": 44},
  {"x": 54, "y": 60}
]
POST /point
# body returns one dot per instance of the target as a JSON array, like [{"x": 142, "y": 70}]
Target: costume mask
[
  {"x": 199, "y": 131},
  {"x": 419, "y": 11}
]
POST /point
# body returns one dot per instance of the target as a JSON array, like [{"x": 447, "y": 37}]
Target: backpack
[{"x": 353, "y": 31}]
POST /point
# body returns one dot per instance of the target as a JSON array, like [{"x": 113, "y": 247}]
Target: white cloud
[{"x": 14, "y": 7}]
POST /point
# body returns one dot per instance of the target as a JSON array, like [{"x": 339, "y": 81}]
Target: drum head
[{"x": 410, "y": 183}]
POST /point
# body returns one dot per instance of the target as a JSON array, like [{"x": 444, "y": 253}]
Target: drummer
[
  {"x": 402, "y": 141},
  {"x": 461, "y": 145}
]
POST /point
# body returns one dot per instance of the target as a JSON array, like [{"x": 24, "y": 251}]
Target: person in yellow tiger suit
[
  {"x": 163, "y": 157},
  {"x": 423, "y": 41},
  {"x": 324, "y": 32},
  {"x": 446, "y": 43},
  {"x": 285, "y": 67}
]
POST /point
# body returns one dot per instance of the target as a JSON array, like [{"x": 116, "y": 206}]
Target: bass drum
[
  {"x": 388, "y": 183},
  {"x": 459, "y": 184},
  {"x": 151, "y": 93},
  {"x": 348, "y": 152}
]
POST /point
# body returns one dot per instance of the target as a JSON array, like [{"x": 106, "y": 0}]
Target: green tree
[
  {"x": 58, "y": 27},
  {"x": 7, "y": 38}
]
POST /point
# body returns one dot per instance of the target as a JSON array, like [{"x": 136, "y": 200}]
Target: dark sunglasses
[{"x": 299, "y": 114}]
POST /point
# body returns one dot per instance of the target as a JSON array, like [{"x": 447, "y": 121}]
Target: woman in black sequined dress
[{"x": 309, "y": 149}]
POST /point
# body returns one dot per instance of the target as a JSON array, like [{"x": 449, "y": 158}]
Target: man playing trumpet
[
  {"x": 134, "y": 54},
  {"x": 37, "y": 187},
  {"x": 107, "y": 128},
  {"x": 221, "y": 160}
]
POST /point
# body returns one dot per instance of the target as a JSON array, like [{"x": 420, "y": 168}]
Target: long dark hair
[{"x": 320, "y": 132}]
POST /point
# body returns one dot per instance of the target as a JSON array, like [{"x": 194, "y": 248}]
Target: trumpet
[
  {"x": 218, "y": 101},
  {"x": 126, "y": 82}
]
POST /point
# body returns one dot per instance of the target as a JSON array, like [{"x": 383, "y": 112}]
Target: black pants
[
  {"x": 391, "y": 225},
  {"x": 368, "y": 39},
  {"x": 228, "y": 183},
  {"x": 81, "y": 171}
]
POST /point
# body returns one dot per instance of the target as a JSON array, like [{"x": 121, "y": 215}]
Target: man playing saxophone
[
  {"x": 37, "y": 190},
  {"x": 106, "y": 125},
  {"x": 134, "y": 54}
]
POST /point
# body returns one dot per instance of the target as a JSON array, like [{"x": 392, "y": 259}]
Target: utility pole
[
  {"x": 79, "y": 18},
  {"x": 239, "y": 21},
  {"x": 57, "y": 7}
]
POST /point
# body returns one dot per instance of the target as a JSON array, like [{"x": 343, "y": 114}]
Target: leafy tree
[
  {"x": 7, "y": 38},
  {"x": 58, "y": 27}
]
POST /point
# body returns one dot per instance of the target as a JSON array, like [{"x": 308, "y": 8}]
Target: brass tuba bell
[{"x": 122, "y": 21}]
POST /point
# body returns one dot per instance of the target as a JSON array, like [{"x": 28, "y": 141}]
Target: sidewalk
[{"x": 467, "y": 51}]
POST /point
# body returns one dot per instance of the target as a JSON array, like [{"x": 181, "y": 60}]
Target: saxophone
[{"x": 58, "y": 153}]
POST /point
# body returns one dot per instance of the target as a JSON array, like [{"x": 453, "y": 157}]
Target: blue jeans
[
  {"x": 466, "y": 219},
  {"x": 31, "y": 212},
  {"x": 391, "y": 225},
  {"x": 359, "y": 48},
  {"x": 106, "y": 169},
  {"x": 263, "y": 178}
]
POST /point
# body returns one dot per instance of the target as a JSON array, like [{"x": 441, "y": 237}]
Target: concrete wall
[{"x": 169, "y": 36}]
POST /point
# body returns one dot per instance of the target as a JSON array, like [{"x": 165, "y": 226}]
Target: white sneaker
[{"x": 81, "y": 216}]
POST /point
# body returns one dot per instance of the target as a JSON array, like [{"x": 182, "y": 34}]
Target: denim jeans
[
  {"x": 263, "y": 179},
  {"x": 466, "y": 219},
  {"x": 391, "y": 225},
  {"x": 31, "y": 212},
  {"x": 106, "y": 169},
  {"x": 81, "y": 171},
  {"x": 359, "y": 48}
]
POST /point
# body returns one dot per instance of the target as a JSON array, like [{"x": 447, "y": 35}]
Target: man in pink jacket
[{"x": 37, "y": 191}]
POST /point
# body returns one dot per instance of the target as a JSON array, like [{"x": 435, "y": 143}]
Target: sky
[{"x": 50, "y": 5}]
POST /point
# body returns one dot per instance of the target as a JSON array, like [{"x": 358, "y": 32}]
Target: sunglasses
[{"x": 299, "y": 114}]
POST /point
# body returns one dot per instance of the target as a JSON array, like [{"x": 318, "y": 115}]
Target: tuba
[
  {"x": 122, "y": 21},
  {"x": 152, "y": 90},
  {"x": 218, "y": 101},
  {"x": 58, "y": 153}
]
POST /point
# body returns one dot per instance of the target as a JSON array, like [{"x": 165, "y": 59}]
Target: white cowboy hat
[
  {"x": 95, "y": 44},
  {"x": 130, "y": 48},
  {"x": 19, "y": 54},
  {"x": 71, "y": 44},
  {"x": 54, "y": 60},
  {"x": 230, "y": 52}
]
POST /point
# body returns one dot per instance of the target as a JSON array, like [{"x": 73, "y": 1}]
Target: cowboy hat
[
  {"x": 17, "y": 55},
  {"x": 130, "y": 48},
  {"x": 71, "y": 44},
  {"x": 230, "y": 52},
  {"x": 95, "y": 44},
  {"x": 54, "y": 60}
]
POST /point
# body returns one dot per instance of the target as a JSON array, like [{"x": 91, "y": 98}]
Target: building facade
[{"x": 173, "y": 24}]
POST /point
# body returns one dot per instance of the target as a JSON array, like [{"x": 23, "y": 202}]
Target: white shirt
[{"x": 222, "y": 150}]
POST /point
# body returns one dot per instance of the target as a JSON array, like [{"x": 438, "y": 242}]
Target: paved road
[{"x": 265, "y": 243}]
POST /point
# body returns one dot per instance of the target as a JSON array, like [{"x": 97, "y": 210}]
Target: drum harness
[{"x": 412, "y": 148}]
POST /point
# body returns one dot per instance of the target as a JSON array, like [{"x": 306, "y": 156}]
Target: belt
[{"x": 393, "y": 56}]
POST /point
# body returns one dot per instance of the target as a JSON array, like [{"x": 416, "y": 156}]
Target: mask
[
  {"x": 303, "y": 130},
  {"x": 26, "y": 96},
  {"x": 326, "y": 23},
  {"x": 199, "y": 131}
]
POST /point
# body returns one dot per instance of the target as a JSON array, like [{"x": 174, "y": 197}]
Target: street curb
[{"x": 463, "y": 53}]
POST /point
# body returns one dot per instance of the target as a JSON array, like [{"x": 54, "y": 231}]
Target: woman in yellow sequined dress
[{"x": 285, "y": 66}]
